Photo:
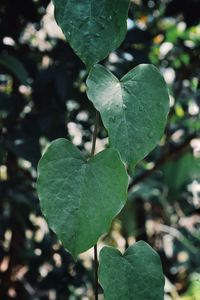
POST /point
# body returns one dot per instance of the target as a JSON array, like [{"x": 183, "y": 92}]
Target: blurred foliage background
[{"x": 42, "y": 97}]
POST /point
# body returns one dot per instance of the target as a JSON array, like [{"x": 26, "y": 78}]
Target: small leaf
[
  {"x": 134, "y": 109},
  {"x": 78, "y": 197},
  {"x": 15, "y": 67},
  {"x": 92, "y": 28},
  {"x": 136, "y": 275},
  {"x": 180, "y": 171}
]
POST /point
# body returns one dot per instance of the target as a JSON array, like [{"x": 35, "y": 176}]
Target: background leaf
[
  {"x": 177, "y": 172},
  {"x": 12, "y": 64}
]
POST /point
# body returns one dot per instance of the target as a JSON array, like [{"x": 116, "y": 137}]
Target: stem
[
  {"x": 96, "y": 265},
  {"x": 94, "y": 138},
  {"x": 96, "y": 129}
]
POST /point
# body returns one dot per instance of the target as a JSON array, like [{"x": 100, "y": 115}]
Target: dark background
[{"x": 42, "y": 97}]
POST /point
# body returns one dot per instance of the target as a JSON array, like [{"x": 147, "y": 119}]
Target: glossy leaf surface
[
  {"x": 136, "y": 275},
  {"x": 93, "y": 28},
  {"x": 134, "y": 109},
  {"x": 78, "y": 197}
]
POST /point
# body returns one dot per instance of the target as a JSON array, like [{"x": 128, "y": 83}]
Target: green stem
[
  {"x": 95, "y": 133},
  {"x": 94, "y": 138},
  {"x": 96, "y": 266}
]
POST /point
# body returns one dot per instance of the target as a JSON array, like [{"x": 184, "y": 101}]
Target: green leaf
[
  {"x": 15, "y": 67},
  {"x": 177, "y": 172},
  {"x": 134, "y": 109},
  {"x": 78, "y": 197},
  {"x": 136, "y": 275},
  {"x": 92, "y": 28}
]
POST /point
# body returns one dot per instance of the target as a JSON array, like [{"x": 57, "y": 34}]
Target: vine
[
  {"x": 80, "y": 197},
  {"x": 96, "y": 284}
]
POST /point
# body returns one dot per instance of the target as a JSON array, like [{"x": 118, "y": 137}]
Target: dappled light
[{"x": 46, "y": 94}]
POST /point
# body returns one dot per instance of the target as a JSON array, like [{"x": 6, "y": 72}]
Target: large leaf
[
  {"x": 136, "y": 275},
  {"x": 78, "y": 197},
  {"x": 134, "y": 109},
  {"x": 93, "y": 28}
]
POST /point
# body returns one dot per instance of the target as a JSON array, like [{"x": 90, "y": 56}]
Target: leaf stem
[{"x": 96, "y": 264}]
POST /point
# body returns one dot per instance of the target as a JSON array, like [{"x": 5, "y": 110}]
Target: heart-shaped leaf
[
  {"x": 134, "y": 109},
  {"x": 78, "y": 197},
  {"x": 136, "y": 275},
  {"x": 93, "y": 28}
]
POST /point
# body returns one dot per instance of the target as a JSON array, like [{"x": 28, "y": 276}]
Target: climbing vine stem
[
  {"x": 94, "y": 138},
  {"x": 95, "y": 133}
]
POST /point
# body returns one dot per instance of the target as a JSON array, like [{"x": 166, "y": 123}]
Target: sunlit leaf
[{"x": 134, "y": 109}]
